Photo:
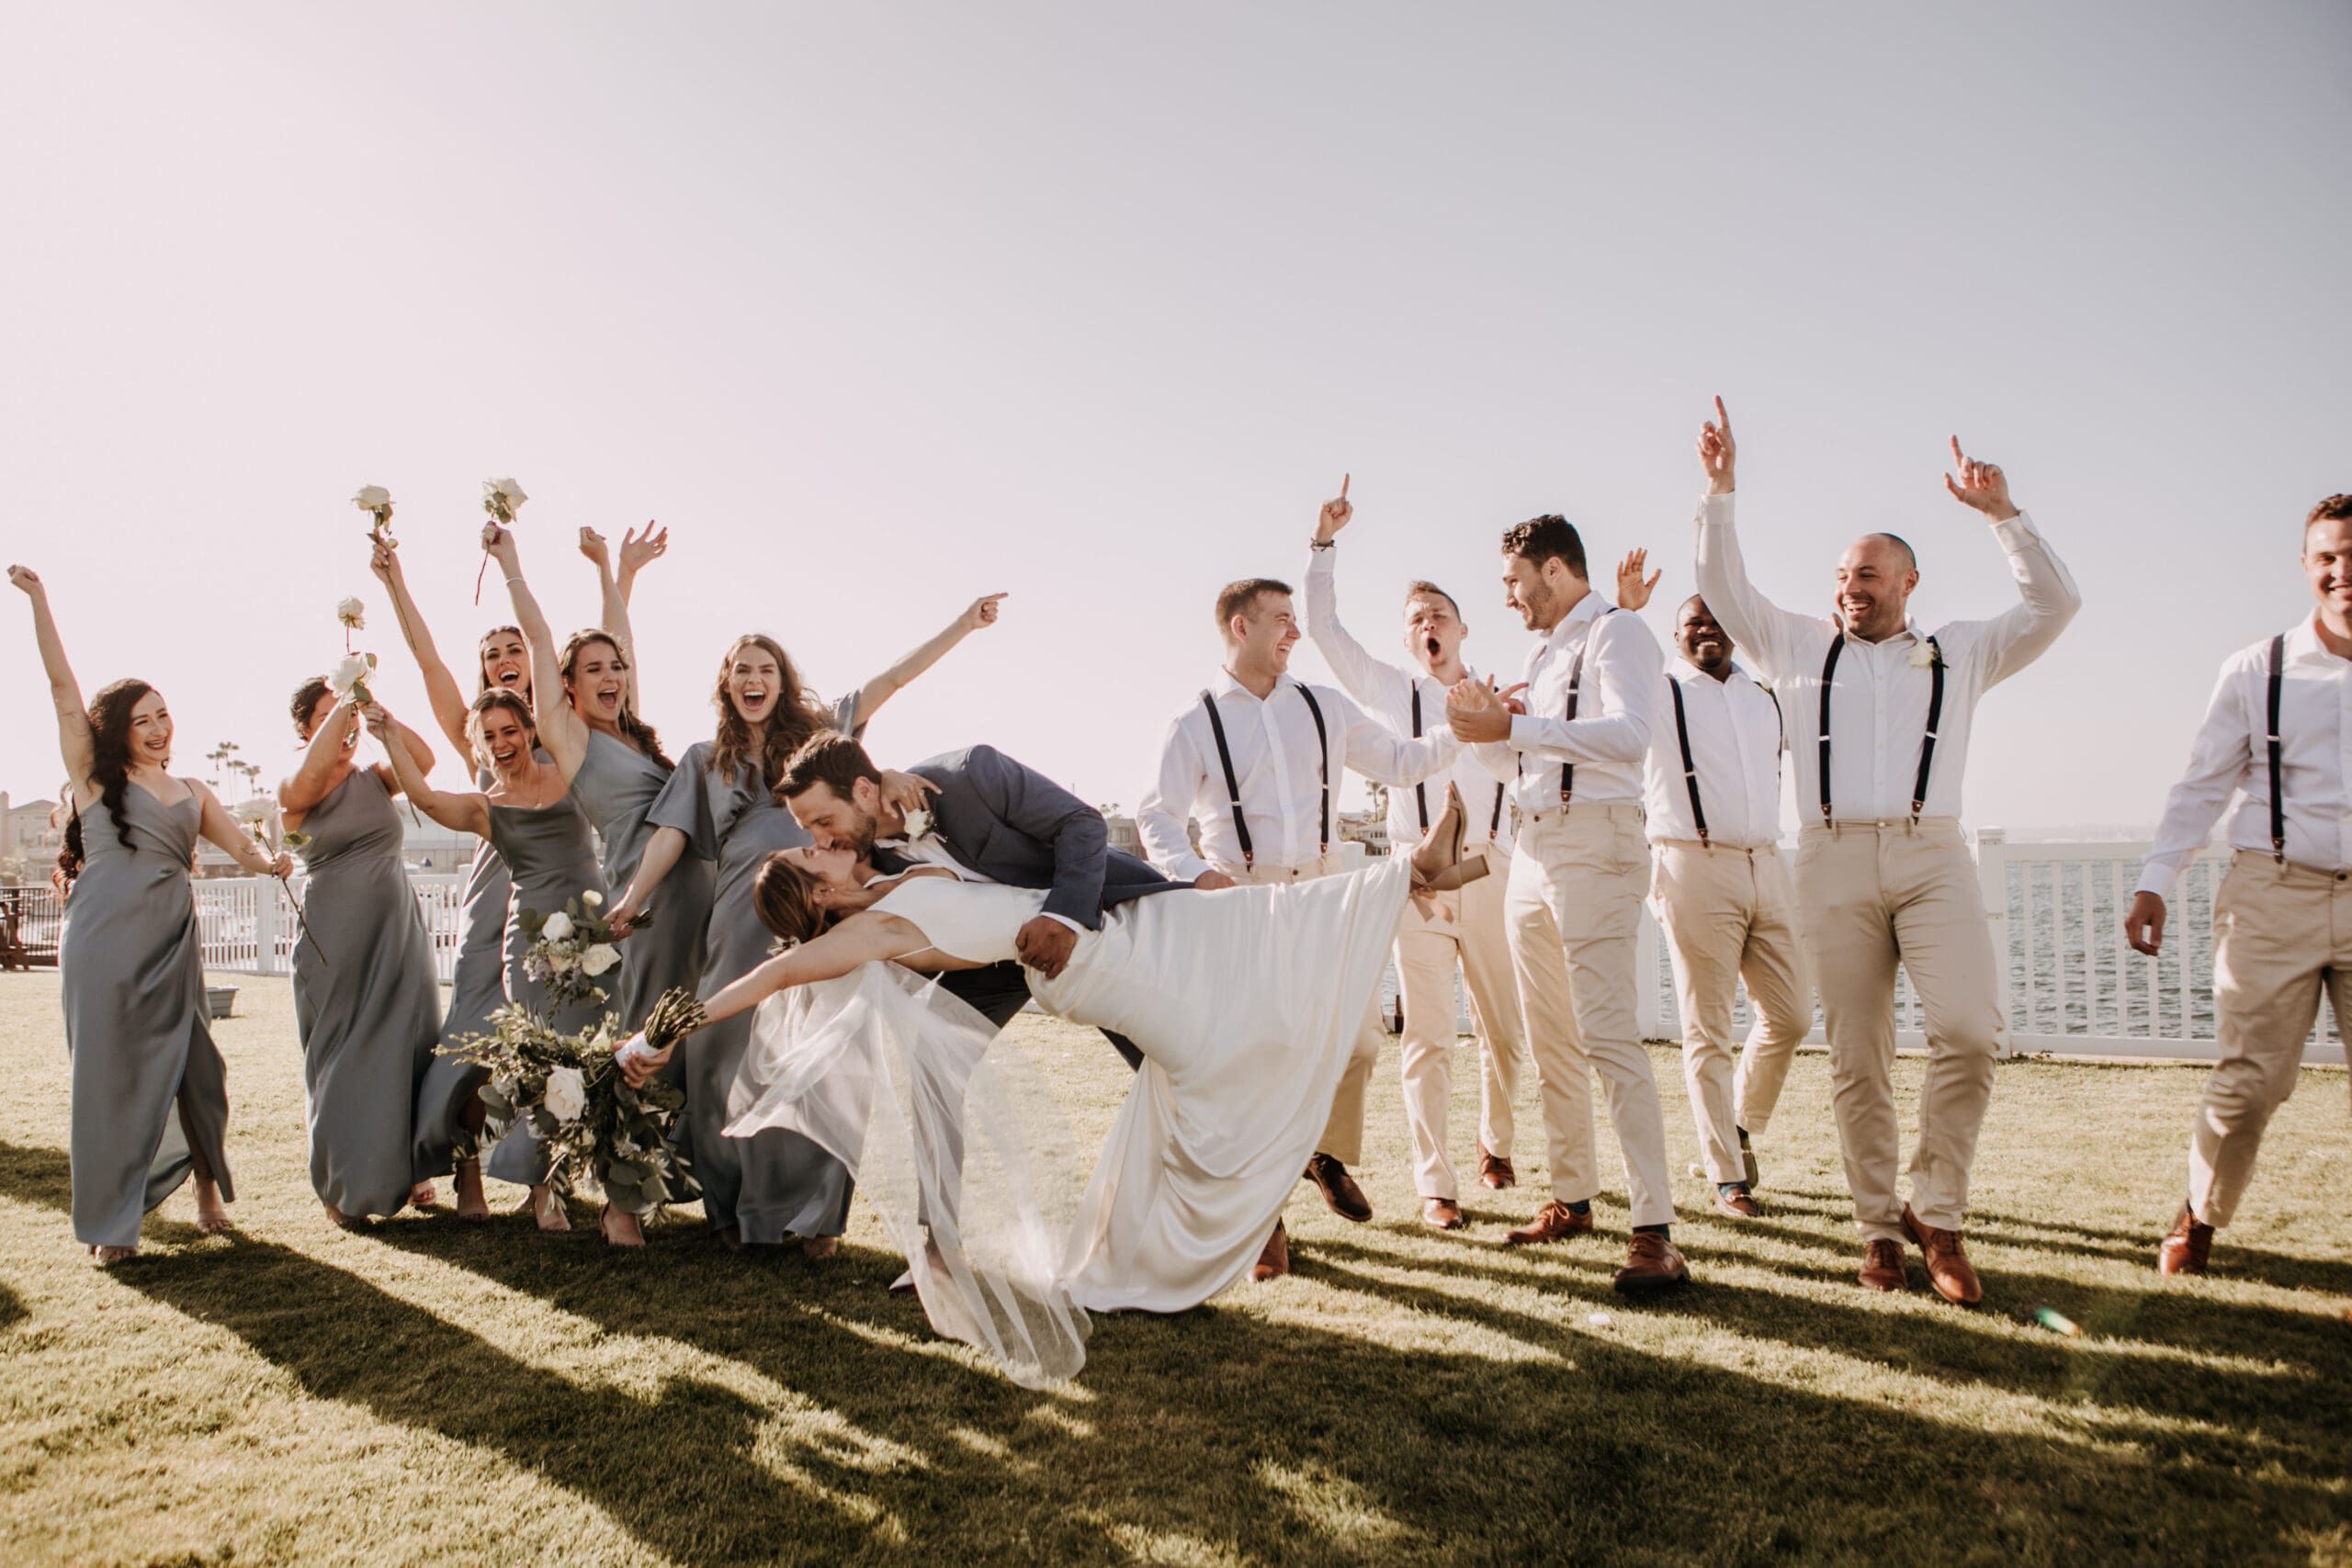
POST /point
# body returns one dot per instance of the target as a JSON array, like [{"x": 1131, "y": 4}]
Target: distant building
[
  {"x": 1123, "y": 833},
  {"x": 1369, "y": 829},
  {"x": 28, "y": 845}
]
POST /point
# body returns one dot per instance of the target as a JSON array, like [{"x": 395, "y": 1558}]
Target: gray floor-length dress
[
  {"x": 478, "y": 991},
  {"x": 131, "y": 965},
  {"x": 775, "y": 1183},
  {"x": 366, "y": 1003},
  {"x": 617, "y": 787},
  {"x": 551, "y": 858}
]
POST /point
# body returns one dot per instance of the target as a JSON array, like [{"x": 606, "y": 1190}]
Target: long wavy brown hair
[
  {"x": 110, "y": 749},
  {"x": 636, "y": 729},
  {"x": 481, "y": 665},
  {"x": 497, "y": 697},
  {"x": 796, "y": 717}
]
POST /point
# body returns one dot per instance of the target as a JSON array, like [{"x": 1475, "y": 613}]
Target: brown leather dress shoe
[
  {"x": 1442, "y": 1213},
  {"x": 2185, "y": 1247},
  {"x": 1274, "y": 1262},
  {"x": 1553, "y": 1222},
  {"x": 1882, "y": 1267},
  {"x": 1338, "y": 1188},
  {"x": 1495, "y": 1171},
  {"x": 1949, "y": 1269},
  {"x": 1738, "y": 1203},
  {"x": 1652, "y": 1263}
]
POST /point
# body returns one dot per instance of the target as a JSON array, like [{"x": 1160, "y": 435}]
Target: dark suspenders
[
  {"x": 1689, "y": 768},
  {"x": 2278, "y": 802},
  {"x": 1233, "y": 781},
  {"x": 1576, "y": 680},
  {"x": 1421, "y": 793},
  {"x": 1926, "y": 742}
]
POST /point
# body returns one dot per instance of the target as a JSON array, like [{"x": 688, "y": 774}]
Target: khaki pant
[
  {"x": 1573, "y": 909},
  {"x": 1440, "y": 931},
  {"x": 1730, "y": 915},
  {"x": 2281, "y": 934},
  {"x": 1869, "y": 895},
  {"x": 1343, "y": 1133}
]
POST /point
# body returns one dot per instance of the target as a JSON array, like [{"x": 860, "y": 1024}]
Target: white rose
[
  {"x": 918, "y": 823},
  {"x": 566, "y": 1096},
  {"x": 559, "y": 926},
  {"x": 352, "y": 613},
  {"x": 561, "y": 961},
  {"x": 592, "y": 899},
  {"x": 255, "y": 810},
  {"x": 599, "y": 958},
  {"x": 505, "y": 491},
  {"x": 371, "y": 498},
  {"x": 349, "y": 674},
  {"x": 1923, "y": 655}
]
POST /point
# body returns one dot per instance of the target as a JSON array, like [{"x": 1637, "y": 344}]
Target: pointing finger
[{"x": 1723, "y": 419}]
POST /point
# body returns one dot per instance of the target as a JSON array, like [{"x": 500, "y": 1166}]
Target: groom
[{"x": 991, "y": 820}]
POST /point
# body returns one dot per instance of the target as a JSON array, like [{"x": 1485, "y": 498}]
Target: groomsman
[
  {"x": 1572, "y": 753},
  {"x": 2278, "y": 736},
  {"x": 1884, "y": 875},
  {"x": 1723, "y": 896},
  {"x": 1257, "y": 759},
  {"x": 1443, "y": 930}
]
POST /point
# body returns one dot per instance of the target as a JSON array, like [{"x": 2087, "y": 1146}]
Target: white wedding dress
[{"x": 1245, "y": 1003}]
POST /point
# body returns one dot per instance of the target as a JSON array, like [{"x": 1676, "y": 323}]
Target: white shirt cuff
[{"x": 1065, "y": 921}]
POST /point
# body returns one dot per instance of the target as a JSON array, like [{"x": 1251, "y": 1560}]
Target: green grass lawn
[{"x": 437, "y": 1393}]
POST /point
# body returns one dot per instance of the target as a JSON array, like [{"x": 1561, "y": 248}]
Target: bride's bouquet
[
  {"x": 567, "y": 1089},
  {"x": 572, "y": 949}
]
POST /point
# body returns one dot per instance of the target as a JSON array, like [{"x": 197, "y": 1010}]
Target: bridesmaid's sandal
[
  {"x": 471, "y": 1205},
  {"x": 817, "y": 1248},
  {"x": 547, "y": 1209},
  {"x": 1437, "y": 862},
  {"x": 620, "y": 1228}
]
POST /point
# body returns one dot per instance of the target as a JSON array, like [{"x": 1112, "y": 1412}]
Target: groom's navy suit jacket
[{"x": 1014, "y": 826}]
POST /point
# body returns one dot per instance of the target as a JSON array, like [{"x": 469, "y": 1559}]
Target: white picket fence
[{"x": 2070, "y": 986}]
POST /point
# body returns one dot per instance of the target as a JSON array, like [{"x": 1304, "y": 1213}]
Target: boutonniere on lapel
[
  {"x": 1925, "y": 656},
  {"x": 918, "y": 825}
]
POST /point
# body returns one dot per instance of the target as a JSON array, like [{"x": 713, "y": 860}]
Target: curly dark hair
[
  {"x": 1548, "y": 538},
  {"x": 110, "y": 748},
  {"x": 567, "y": 665},
  {"x": 305, "y": 697}
]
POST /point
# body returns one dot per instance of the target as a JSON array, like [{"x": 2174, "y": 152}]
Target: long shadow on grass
[
  {"x": 1219, "y": 1432},
  {"x": 1224, "y": 1429}
]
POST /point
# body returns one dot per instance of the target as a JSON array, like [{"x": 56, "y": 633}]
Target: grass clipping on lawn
[{"x": 434, "y": 1392}]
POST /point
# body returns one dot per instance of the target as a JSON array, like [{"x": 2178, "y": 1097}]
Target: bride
[{"x": 1243, "y": 1001}]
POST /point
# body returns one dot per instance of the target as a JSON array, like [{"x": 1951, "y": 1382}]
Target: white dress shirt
[
  {"x": 2231, "y": 754},
  {"x": 1617, "y": 697},
  {"x": 1735, "y": 751},
  {"x": 1274, "y": 762},
  {"x": 1386, "y": 692},
  {"x": 1877, "y": 713}
]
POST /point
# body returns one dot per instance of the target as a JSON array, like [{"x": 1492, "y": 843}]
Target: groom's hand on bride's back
[
  {"x": 1211, "y": 880},
  {"x": 1044, "y": 944}
]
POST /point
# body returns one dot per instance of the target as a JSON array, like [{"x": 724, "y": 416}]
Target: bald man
[{"x": 1877, "y": 713}]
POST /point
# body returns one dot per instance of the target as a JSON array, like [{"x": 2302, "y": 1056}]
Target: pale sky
[{"x": 883, "y": 308}]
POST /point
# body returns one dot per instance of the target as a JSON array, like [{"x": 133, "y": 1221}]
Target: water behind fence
[{"x": 2072, "y": 984}]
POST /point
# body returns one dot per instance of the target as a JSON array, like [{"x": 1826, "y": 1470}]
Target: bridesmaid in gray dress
[
  {"x": 366, "y": 1003},
  {"x": 612, "y": 759},
  {"x": 449, "y": 1111},
  {"x": 721, "y": 805},
  {"x": 531, "y": 819},
  {"x": 150, "y": 1094}
]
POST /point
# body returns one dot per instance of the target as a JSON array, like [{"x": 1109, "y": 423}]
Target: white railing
[
  {"x": 2070, "y": 985},
  {"x": 249, "y": 927}
]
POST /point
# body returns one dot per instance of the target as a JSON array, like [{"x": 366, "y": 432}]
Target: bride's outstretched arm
[
  {"x": 866, "y": 938},
  {"x": 887, "y": 684}
]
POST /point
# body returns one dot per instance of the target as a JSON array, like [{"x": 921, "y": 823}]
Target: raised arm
[
  {"x": 307, "y": 785},
  {"x": 1766, "y": 632},
  {"x": 1362, "y": 676},
  {"x": 74, "y": 743},
  {"x": 223, "y": 830},
  {"x": 466, "y": 813},
  {"x": 637, "y": 551},
  {"x": 2049, "y": 599},
  {"x": 887, "y": 684},
  {"x": 441, "y": 689},
  {"x": 561, "y": 730}
]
